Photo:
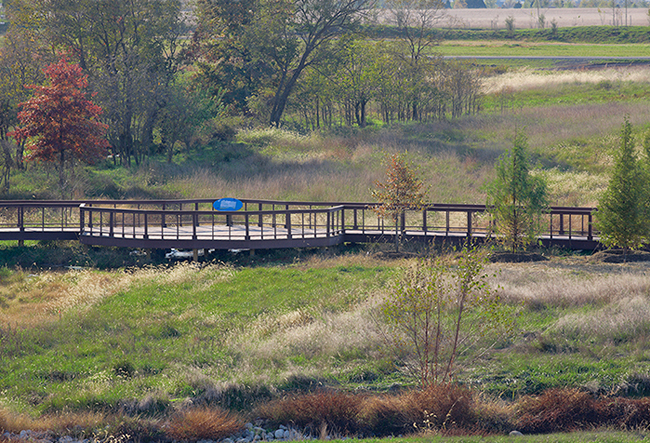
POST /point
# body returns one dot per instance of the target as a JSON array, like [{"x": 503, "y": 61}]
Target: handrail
[{"x": 287, "y": 221}]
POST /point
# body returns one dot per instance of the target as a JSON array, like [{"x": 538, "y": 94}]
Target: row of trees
[
  {"x": 518, "y": 199},
  {"x": 440, "y": 310},
  {"x": 275, "y": 60},
  {"x": 377, "y": 79}
]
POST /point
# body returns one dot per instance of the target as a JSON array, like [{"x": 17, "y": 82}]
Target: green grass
[
  {"x": 525, "y": 49},
  {"x": 600, "y": 437},
  {"x": 573, "y": 34},
  {"x": 147, "y": 338},
  {"x": 175, "y": 333}
]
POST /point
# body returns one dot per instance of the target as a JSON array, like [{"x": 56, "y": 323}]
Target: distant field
[
  {"x": 527, "y": 18},
  {"x": 540, "y": 49}
]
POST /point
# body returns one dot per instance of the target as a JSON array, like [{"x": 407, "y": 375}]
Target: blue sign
[{"x": 227, "y": 204}]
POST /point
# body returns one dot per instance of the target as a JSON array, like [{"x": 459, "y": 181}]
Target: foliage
[
  {"x": 130, "y": 52},
  {"x": 270, "y": 44},
  {"x": 435, "y": 317},
  {"x": 60, "y": 124},
  {"x": 402, "y": 191},
  {"x": 622, "y": 216},
  {"x": 516, "y": 199}
]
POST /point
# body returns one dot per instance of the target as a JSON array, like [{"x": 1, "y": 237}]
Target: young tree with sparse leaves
[
  {"x": 516, "y": 199},
  {"x": 622, "y": 216},
  {"x": 439, "y": 310},
  {"x": 401, "y": 191},
  {"x": 59, "y": 123}
]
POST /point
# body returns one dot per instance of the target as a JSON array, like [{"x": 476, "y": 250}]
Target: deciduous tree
[
  {"x": 438, "y": 310},
  {"x": 128, "y": 48},
  {"x": 401, "y": 191},
  {"x": 278, "y": 38},
  {"x": 60, "y": 123}
]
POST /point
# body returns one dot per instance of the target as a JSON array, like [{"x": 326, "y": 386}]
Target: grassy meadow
[
  {"x": 123, "y": 347},
  {"x": 132, "y": 346}
]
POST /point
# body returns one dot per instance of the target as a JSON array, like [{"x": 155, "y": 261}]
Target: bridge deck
[{"x": 262, "y": 224}]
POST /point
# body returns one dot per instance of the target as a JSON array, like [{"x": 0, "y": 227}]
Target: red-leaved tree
[{"x": 59, "y": 123}]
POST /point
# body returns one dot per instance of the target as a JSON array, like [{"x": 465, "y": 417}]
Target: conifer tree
[
  {"x": 622, "y": 216},
  {"x": 516, "y": 199}
]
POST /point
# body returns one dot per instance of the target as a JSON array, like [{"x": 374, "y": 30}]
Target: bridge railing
[
  {"x": 39, "y": 215},
  {"x": 266, "y": 219},
  {"x": 211, "y": 225}
]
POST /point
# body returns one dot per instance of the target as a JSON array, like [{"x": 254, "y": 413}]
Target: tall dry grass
[
  {"x": 525, "y": 78},
  {"x": 563, "y": 285},
  {"x": 64, "y": 423}
]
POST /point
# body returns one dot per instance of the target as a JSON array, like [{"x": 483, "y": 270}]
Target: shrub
[
  {"x": 557, "y": 410},
  {"x": 203, "y": 424}
]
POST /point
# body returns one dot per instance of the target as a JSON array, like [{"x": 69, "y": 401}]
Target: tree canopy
[{"x": 59, "y": 122}]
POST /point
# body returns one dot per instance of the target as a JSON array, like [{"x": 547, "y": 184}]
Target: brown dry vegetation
[{"x": 203, "y": 423}]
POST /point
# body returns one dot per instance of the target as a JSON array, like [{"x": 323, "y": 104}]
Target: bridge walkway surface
[{"x": 264, "y": 224}]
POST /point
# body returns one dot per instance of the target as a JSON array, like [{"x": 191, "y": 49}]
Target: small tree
[
  {"x": 622, "y": 216},
  {"x": 402, "y": 190},
  {"x": 516, "y": 199},
  {"x": 59, "y": 122},
  {"x": 436, "y": 314}
]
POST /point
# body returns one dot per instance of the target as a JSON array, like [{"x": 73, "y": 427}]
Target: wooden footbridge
[{"x": 262, "y": 224}]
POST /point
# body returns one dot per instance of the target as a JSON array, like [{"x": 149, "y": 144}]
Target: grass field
[
  {"x": 148, "y": 340},
  {"x": 127, "y": 345},
  {"x": 539, "y": 49}
]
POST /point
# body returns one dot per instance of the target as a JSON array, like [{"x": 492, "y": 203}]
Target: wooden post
[
  {"x": 328, "y": 224},
  {"x": 247, "y": 223},
  {"x": 287, "y": 223}
]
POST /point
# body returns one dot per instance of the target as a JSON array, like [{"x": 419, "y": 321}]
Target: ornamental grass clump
[
  {"x": 203, "y": 423},
  {"x": 337, "y": 411},
  {"x": 558, "y": 410},
  {"x": 442, "y": 408}
]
